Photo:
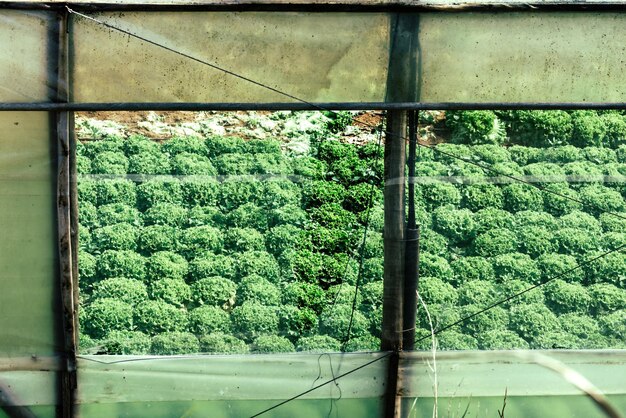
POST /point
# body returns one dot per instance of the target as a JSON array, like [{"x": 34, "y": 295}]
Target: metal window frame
[
  {"x": 62, "y": 112},
  {"x": 276, "y": 106},
  {"x": 319, "y": 6}
]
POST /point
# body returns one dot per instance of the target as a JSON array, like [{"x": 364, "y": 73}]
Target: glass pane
[
  {"x": 28, "y": 244},
  {"x": 28, "y": 268},
  {"x": 24, "y": 56},
  {"x": 523, "y": 57},
  {"x": 346, "y": 61},
  {"x": 315, "y": 408},
  {"x": 468, "y": 57}
]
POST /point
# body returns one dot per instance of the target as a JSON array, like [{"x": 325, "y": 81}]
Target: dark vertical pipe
[
  {"x": 411, "y": 248},
  {"x": 74, "y": 225},
  {"x": 401, "y": 86},
  {"x": 411, "y": 265},
  {"x": 394, "y": 254}
]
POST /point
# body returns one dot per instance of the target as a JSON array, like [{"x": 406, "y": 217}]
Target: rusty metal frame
[
  {"x": 319, "y": 5},
  {"x": 62, "y": 108},
  {"x": 185, "y": 106}
]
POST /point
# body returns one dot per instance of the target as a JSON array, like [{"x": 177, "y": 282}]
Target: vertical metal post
[
  {"x": 411, "y": 251},
  {"x": 403, "y": 85},
  {"x": 394, "y": 231},
  {"x": 66, "y": 240},
  {"x": 411, "y": 266}
]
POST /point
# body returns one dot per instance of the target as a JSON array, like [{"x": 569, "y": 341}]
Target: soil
[
  {"x": 132, "y": 121},
  {"x": 368, "y": 119},
  {"x": 135, "y": 123}
]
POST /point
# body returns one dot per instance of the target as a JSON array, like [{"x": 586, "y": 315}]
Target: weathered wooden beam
[
  {"x": 402, "y": 86},
  {"x": 67, "y": 263}
]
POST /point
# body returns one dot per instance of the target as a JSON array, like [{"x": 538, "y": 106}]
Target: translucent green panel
[
  {"x": 516, "y": 406},
  {"x": 329, "y": 57},
  {"x": 253, "y": 378},
  {"x": 465, "y": 373},
  {"x": 30, "y": 388},
  {"x": 28, "y": 244},
  {"x": 478, "y": 380},
  {"x": 523, "y": 57},
  {"x": 23, "y": 52},
  {"x": 38, "y": 411},
  {"x": 311, "y": 408}
]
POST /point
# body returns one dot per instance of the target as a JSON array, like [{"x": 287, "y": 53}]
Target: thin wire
[
  {"x": 138, "y": 359},
  {"x": 334, "y": 379},
  {"x": 359, "y": 277},
  {"x": 332, "y": 373},
  {"x": 333, "y": 400},
  {"x": 500, "y": 302},
  {"x": 196, "y": 59}
]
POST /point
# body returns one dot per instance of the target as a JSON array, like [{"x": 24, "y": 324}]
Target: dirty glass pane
[
  {"x": 27, "y": 262},
  {"x": 346, "y": 61},
  {"x": 232, "y": 385},
  {"x": 28, "y": 244},
  {"x": 462, "y": 57},
  {"x": 522, "y": 383},
  {"x": 522, "y": 57},
  {"x": 32, "y": 390},
  {"x": 24, "y": 62},
  {"x": 521, "y": 216}
]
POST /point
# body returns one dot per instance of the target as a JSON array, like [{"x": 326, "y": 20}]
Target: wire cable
[
  {"x": 193, "y": 58},
  {"x": 334, "y": 379}
]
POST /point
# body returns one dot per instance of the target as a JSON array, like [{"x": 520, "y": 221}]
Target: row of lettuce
[
  {"x": 536, "y": 128},
  {"x": 228, "y": 246}
]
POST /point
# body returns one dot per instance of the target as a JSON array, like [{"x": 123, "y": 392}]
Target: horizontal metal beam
[
  {"x": 317, "y": 6},
  {"x": 174, "y": 106}
]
